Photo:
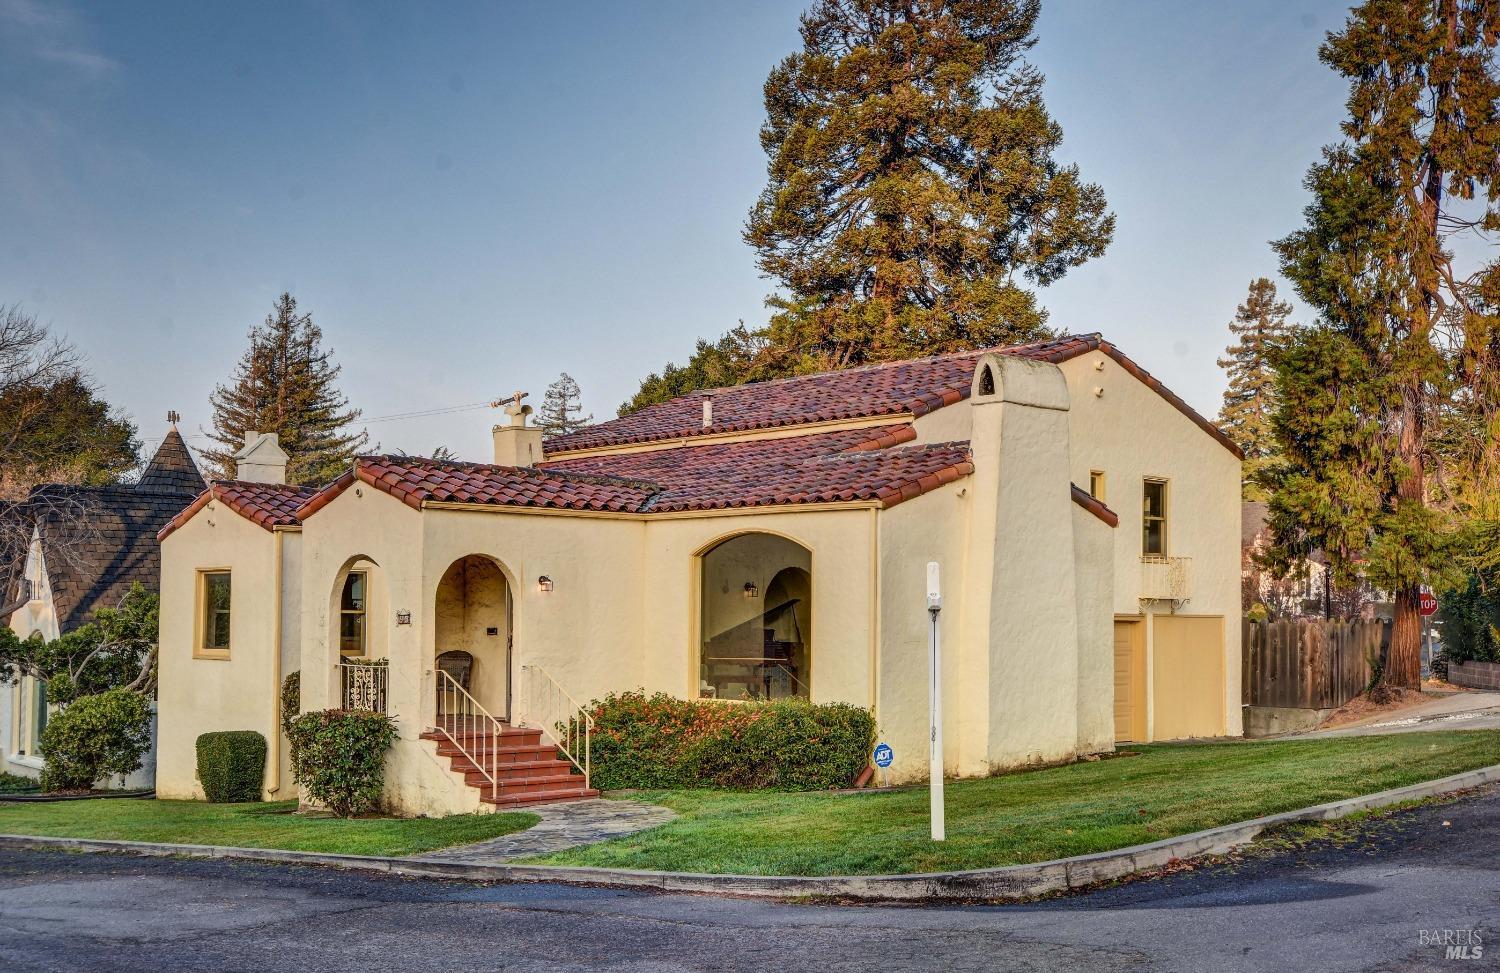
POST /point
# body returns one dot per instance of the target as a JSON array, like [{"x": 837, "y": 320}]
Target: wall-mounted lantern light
[
  {"x": 403, "y": 618},
  {"x": 751, "y": 591},
  {"x": 544, "y": 584}
]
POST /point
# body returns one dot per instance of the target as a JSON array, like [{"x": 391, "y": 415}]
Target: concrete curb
[{"x": 1008, "y": 882}]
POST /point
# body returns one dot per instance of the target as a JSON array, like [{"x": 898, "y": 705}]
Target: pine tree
[
  {"x": 1260, "y": 328},
  {"x": 562, "y": 408},
  {"x": 912, "y": 181},
  {"x": 1366, "y": 391},
  {"x": 738, "y": 356},
  {"x": 913, "y": 190},
  {"x": 284, "y": 383}
]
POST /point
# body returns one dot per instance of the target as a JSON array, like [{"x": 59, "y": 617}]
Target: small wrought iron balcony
[{"x": 1166, "y": 578}]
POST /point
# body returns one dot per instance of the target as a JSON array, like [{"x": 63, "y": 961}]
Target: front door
[{"x": 1130, "y": 681}]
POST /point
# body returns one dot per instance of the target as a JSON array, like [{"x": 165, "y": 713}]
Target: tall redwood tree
[{"x": 1402, "y": 301}]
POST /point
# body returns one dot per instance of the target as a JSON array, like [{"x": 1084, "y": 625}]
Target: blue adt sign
[{"x": 884, "y": 755}]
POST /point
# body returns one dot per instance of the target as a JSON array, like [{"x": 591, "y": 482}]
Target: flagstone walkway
[{"x": 565, "y": 825}]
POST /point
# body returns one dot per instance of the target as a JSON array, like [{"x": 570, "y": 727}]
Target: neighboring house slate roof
[
  {"x": 913, "y": 387},
  {"x": 172, "y": 469},
  {"x": 116, "y": 547},
  {"x": 845, "y": 465},
  {"x": 268, "y": 505}
]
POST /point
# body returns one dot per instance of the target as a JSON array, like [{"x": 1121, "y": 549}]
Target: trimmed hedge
[
  {"x": 341, "y": 758},
  {"x": 231, "y": 765},
  {"x": 660, "y": 741},
  {"x": 93, "y": 737}
]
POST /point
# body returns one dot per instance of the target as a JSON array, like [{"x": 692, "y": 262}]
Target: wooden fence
[{"x": 1309, "y": 663}]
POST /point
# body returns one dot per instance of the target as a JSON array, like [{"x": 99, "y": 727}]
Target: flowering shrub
[
  {"x": 790, "y": 744},
  {"x": 341, "y": 758}
]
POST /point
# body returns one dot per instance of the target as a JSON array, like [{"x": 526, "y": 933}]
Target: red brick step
[{"x": 527, "y": 770}]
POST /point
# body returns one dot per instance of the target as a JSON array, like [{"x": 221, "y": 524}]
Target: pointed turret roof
[{"x": 172, "y": 469}]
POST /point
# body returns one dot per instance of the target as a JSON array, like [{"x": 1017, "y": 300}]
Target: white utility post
[{"x": 935, "y": 703}]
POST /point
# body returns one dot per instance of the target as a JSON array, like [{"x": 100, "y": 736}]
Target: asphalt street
[{"x": 1357, "y": 902}]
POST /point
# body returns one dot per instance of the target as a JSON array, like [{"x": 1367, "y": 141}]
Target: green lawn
[
  {"x": 273, "y": 825},
  {"x": 1163, "y": 790}
]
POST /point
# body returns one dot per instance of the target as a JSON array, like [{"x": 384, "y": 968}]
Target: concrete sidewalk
[
  {"x": 1455, "y": 711},
  {"x": 562, "y": 826}
]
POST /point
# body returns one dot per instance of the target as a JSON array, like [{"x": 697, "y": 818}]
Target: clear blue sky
[{"x": 471, "y": 198}]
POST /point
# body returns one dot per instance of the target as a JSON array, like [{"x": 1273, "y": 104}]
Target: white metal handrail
[
  {"x": 549, "y": 708},
  {"x": 463, "y": 721}
]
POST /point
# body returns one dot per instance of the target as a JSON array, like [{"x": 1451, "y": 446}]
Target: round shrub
[
  {"x": 93, "y": 737},
  {"x": 341, "y": 758},
  {"x": 660, "y": 741},
  {"x": 231, "y": 765}
]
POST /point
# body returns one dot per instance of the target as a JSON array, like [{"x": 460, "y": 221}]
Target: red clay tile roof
[
  {"x": 414, "y": 480},
  {"x": 268, "y": 505},
  {"x": 909, "y": 387},
  {"x": 845, "y": 465},
  {"x": 1094, "y": 506}
]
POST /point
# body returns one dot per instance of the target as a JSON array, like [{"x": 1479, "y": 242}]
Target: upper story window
[
  {"x": 214, "y": 599},
  {"x": 352, "y": 606},
  {"x": 1154, "y": 519},
  {"x": 1096, "y": 485}
]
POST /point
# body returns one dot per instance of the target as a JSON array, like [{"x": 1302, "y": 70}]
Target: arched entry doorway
[
  {"x": 472, "y": 621},
  {"x": 756, "y": 619}
]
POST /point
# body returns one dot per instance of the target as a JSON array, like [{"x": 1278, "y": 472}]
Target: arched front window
[{"x": 756, "y": 619}]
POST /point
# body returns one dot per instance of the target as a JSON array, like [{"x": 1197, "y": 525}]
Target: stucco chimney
[
  {"x": 708, "y": 410},
  {"x": 261, "y": 460},
  {"x": 518, "y": 444},
  {"x": 1017, "y": 616}
]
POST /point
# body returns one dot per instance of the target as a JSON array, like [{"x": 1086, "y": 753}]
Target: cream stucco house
[{"x": 756, "y": 541}]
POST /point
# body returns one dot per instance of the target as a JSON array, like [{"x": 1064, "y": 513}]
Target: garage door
[
  {"x": 1130, "y": 681},
  {"x": 1187, "y": 655}
]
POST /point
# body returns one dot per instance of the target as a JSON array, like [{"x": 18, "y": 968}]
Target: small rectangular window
[
  {"x": 215, "y": 621},
  {"x": 1154, "y": 519},
  {"x": 352, "y": 615},
  {"x": 1096, "y": 485}
]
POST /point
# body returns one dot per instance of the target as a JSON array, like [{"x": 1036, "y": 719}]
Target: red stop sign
[{"x": 1428, "y": 605}]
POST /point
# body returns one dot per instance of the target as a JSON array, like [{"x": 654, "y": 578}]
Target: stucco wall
[
  {"x": 1132, "y": 433},
  {"x": 196, "y": 695},
  {"x": 841, "y": 562},
  {"x": 1093, "y": 550},
  {"x": 931, "y": 527},
  {"x": 364, "y": 527}
]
